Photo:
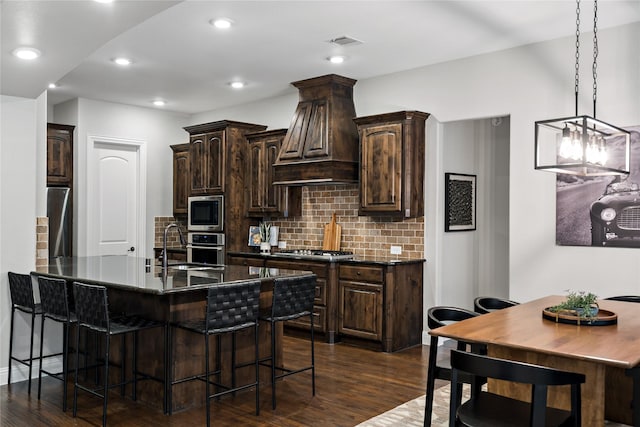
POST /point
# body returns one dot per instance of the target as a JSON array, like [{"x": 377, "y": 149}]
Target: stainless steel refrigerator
[{"x": 60, "y": 221}]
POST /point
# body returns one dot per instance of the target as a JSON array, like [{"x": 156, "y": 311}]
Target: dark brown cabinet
[
  {"x": 392, "y": 164},
  {"x": 181, "y": 178},
  {"x": 371, "y": 304},
  {"x": 264, "y": 198},
  {"x": 207, "y": 163},
  {"x": 59, "y": 155},
  {"x": 360, "y": 308},
  {"x": 218, "y": 165}
]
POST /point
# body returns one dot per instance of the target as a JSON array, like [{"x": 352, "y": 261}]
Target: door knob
[{"x": 131, "y": 249}]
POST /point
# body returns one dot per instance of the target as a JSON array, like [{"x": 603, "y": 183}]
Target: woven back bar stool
[
  {"x": 292, "y": 299},
  {"x": 55, "y": 306},
  {"x": 21, "y": 289},
  {"x": 92, "y": 311},
  {"x": 230, "y": 308}
]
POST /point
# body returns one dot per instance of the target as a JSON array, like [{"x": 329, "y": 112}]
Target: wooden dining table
[{"x": 609, "y": 355}]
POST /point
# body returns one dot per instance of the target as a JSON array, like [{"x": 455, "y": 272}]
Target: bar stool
[
  {"x": 55, "y": 306},
  {"x": 436, "y": 317},
  {"x": 484, "y": 305},
  {"x": 230, "y": 308},
  {"x": 21, "y": 288},
  {"x": 92, "y": 310},
  {"x": 292, "y": 298}
]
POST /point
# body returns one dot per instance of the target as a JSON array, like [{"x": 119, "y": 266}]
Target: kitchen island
[{"x": 175, "y": 294}]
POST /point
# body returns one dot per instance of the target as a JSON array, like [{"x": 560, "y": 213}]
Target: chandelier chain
[
  {"x": 577, "y": 66},
  {"x": 594, "y": 67}
]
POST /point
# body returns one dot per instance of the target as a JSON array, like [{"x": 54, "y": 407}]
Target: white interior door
[{"x": 115, "y": 197}]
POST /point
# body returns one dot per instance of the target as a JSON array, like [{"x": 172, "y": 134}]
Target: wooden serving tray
[{"x": 603, "y": 318}]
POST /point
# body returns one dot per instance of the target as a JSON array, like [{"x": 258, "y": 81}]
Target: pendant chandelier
[{"x": 582, "y": 145}]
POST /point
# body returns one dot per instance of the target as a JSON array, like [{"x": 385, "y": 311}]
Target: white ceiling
[{"x": 181, "y": 58}]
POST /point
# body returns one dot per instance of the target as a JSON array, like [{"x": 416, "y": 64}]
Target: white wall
[
  {"x": 17, "y": 215},
  {"x": 528, "y": 83},
  {"x": 157, "y": 128}
]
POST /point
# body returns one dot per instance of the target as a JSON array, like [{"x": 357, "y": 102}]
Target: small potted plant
[
  {"x": 581, "y": 304},
  {"x": 265, "y": 236}
]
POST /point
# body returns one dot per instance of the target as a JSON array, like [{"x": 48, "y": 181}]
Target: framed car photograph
[{"x": 460, "y": 202}]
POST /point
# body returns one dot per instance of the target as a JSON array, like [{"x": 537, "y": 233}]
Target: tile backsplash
[
  {"x": 365, "y": 236},
  {"x": 173, "y": 238},
  {"x": 42, "y": 241}
]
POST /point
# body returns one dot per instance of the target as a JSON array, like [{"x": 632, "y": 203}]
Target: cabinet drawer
[
  {"x": 361, "y": 273},
  {"x": 321, "y": 292},
  {"x": 251, "y": 262},
  {"x": 318, "y": 269},
  {"x": 319, "y": 320}
]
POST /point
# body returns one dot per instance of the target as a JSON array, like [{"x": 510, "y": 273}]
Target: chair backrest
[
  {"x": 232, "y": 304},
  {"x": 626, "y": 298},
  {"x": 21, "y": 288},
  {"x": 539, "y": 377},
  {"x": 292, "y": 297},
  {"x": 54, "y": 297},
  {"x": 92, "y": 307},
  {"x": 484, "y": 305},
  {"x": 442, "y": 315}
]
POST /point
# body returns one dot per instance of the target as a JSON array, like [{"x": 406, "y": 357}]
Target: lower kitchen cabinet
[
  {"x": 380, "y": 304},
  {"x": 373, "y": 304}
]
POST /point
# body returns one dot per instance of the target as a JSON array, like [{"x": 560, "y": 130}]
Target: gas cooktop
[{"x": 314, "y": 254}]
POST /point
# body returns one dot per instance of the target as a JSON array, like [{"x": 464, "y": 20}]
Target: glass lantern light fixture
[{"x": 582, "y": 145}]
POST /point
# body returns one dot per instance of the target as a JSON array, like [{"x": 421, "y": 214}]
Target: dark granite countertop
[
  {"x": 131, "y": 273},
  {"x": 390, "y": 260}
]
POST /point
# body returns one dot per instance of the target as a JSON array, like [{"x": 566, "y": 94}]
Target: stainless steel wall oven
[{"x": 206, "y": 248}]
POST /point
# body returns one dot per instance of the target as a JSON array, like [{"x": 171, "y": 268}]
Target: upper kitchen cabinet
[
  {"x": 210, "y": 144},
  {"x": 392, "y": 164},
  {"x": 59, "y": 155},
  {"x": 218, "y": 161},
  {"x": 264, "y": 198},
  {"x": 181, "y": 178},
  {"x": 321, "y": 145}
]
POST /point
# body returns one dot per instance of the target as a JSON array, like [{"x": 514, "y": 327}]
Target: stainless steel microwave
[{"x": 206, "y": 213}]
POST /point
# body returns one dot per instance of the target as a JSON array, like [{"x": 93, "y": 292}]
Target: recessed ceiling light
[
  {"x": 103, "y": 1},
  {"x": 26, "y": 53},
  {"x": 222, "y": 23},
  {"x": 52, "y": 85},
  {"x": 336, "y": 59},
  {"x": 122, "y": 61},
  {"x": 237, "y": 85},
  {"x": 159, "y": 103}
]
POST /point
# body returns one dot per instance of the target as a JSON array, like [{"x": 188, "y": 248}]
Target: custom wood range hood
[{"x": 321, "y": 144}]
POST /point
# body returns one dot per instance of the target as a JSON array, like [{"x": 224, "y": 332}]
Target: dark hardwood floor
[{"x": 352, "y": 385}]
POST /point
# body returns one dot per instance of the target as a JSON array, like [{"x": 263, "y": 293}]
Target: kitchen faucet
[{"x": 165, "y": 259}]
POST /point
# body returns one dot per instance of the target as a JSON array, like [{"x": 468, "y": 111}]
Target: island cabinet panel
[
  {"x": 181, "y": 178},
  {"x": 59, "y": 155},
  {"x": 392, "y": 163},
  {"x": 263, "y": 197}
]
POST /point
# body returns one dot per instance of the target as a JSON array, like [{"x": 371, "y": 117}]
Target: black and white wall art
[
  {"x": 602, "y": 211},
  {"x": 460, "y": 202}
]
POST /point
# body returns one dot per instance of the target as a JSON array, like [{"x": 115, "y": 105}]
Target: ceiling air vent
[{"x": 345, "y": 41}]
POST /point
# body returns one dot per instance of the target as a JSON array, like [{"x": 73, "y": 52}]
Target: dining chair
[
  {"x": 92, "y": 311},
  {"x": 436, "y": 317},
  {"x": 292, "y": 298},
  {"x": 22, "y": 299},
  {"x": 229, "y": 308},
  {"x": 634, "y": 373},
  {"x": 488, "y": 409},
  {"x": 484, "y": 305}
]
